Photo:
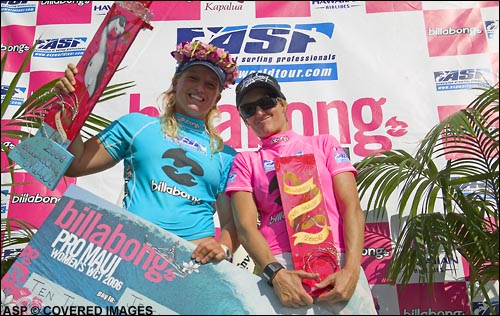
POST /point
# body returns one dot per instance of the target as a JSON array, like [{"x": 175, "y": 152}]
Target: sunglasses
[{"x": 248, "y": 110}]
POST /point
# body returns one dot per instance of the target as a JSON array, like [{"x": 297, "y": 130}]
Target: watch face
[{"x": 270, "y": 271}]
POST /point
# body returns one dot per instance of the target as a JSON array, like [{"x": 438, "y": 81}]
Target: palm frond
[
  {"x": 468, "y": 221},
  {"x": 14, "y": 232}
]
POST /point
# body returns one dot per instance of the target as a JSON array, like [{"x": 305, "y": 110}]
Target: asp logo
[
  {"x": 59, "y": 43},
  {"x": 460, "y": 79},
  {"x": 261, "y": 38},
  {"x": 17, "y": 90},
  {"x": 18, "y": 6},
  {"x": 18, "y": 95},
  {"x": 60, "y": 47},
  {"x": 463, "y": 74}
]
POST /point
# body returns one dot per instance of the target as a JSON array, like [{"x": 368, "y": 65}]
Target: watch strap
[{"x": 271, "y": 270}]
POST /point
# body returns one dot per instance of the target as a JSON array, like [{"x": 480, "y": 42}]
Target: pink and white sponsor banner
[
  {"x": 449, "y": 298},
  {"x": 377, "y": 252},
  {"x": 32, "y": 201},
  {"x": 376, "y": 74}
]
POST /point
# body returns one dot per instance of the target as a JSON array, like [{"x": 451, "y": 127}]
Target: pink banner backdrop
[{"x": 376, "y": 74}]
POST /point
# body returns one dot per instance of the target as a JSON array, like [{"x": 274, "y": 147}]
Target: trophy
[
  {"x": 311, "y": 241},
  {"x": 45, "y": 155}
]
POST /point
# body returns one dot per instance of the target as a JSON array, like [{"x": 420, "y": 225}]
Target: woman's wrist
[
  {"x": 271, "y": 270},
  {"x": 229, "y": 254}
]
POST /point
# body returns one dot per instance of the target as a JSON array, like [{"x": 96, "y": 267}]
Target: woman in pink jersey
[{"x": 259, "y": 215}]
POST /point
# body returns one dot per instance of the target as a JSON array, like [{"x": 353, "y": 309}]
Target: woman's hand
[
  {"x": 343, "y": 283},
  {"x": 207, "y": 250},
  {"x": 288, "y": 287},
  {"x": 67, "y": 83}
]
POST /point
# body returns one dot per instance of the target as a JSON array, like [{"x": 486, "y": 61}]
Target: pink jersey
[{"x": 253, "y": 171}]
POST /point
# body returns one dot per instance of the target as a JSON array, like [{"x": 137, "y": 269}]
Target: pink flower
[
  {"x": 18, "y": 274},
  {"x": 187, "y": 51},
  {"x": 29, "y": 253},
  {"x": 36, "y": 302},
  {"x": 19, "y": 293}
]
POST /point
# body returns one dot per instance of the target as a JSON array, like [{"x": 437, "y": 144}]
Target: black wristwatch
[{"x": 270, "y": 271}]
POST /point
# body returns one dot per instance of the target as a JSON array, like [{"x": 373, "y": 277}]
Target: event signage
[{"x": 92, "y": 257}]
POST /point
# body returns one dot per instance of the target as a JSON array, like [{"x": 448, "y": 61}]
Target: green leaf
[{"x": 468, "y": 221}]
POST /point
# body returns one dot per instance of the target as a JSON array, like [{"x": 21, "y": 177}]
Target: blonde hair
[{"x": 170, "y": 126}]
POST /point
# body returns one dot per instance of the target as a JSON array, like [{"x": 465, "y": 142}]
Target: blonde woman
[{"x": 175, "y": 166}]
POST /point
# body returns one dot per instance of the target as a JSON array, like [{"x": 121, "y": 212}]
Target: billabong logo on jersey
[
  {"x": 278, "y": 139},
  {"x": 461, "y": 79},
  {"x": 274, "y": 187},
  {"x": 182, "y": 171},
  {"x": 163, "y": 187},
  {"x": 182, "y": 162},
  {"x": 188, "y": 122}
]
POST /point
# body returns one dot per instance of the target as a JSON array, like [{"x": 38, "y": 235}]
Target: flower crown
[{"x": 188, "y": 51}]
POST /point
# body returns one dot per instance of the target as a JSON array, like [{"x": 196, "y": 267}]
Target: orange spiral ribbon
[
  {"x": 298, "y": 216},
  {"x": 325, "y": 257}
]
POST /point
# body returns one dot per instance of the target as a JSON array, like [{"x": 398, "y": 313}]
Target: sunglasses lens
[
  {"x": 268, "y": 103},
  {"x": 265, "y": 103}
]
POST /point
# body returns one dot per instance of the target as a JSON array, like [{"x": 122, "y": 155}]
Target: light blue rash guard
[{"x": 172, "y": 183}]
